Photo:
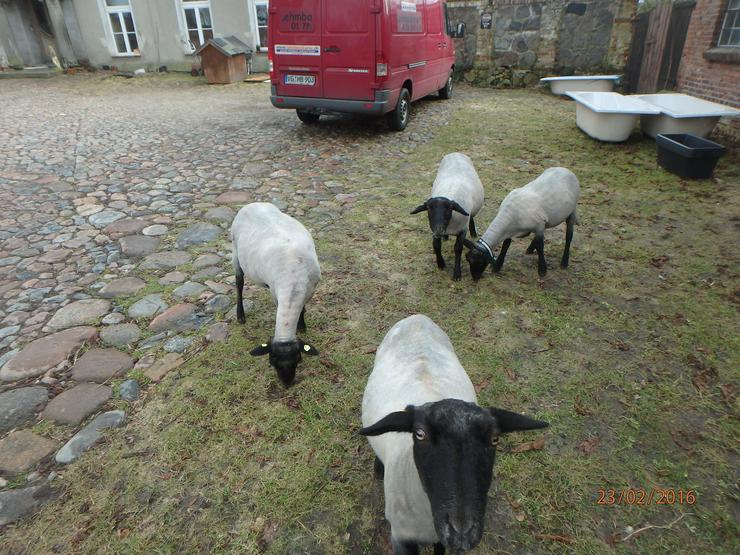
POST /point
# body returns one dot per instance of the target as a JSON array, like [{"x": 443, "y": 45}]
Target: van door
[
  {"x": 434, "y": 44},
  {"x": 295, "y": 30},
  {"x": 348, "y": 49}
]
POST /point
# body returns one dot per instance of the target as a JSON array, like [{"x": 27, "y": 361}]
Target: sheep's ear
[
  {"x": 515, "y": 422},
  {"x": 457, "y": 208},
  {"x": 307, "y": 349},
  {"x": 468, "y": 243},
  {"x": 260, "y": 350},
  {"x": 401, "y": 421},
  {"x": 419, "y": 208}
]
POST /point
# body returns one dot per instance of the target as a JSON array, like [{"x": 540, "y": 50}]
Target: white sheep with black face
[
  {"x": 277, "y": 251},
  {"x": 438, "y": 469},
  {"x": 547, "y": 201},
  {"x": 457, "y": 196}
]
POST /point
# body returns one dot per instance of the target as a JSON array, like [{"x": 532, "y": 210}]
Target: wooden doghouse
[{"x": 225, "y": 60}]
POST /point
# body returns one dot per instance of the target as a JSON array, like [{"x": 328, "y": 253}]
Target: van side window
[{"x": 448, "y": 31}]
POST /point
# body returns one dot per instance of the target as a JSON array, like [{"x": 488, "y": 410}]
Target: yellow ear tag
[
  {"x": 264, "y": 344},
  {"x": 307, "y": 348}
]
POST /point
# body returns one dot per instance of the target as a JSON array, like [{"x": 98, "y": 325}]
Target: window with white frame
[
  {"x": 121, "y": 20},
  {"x": 730, "y": 33},
  {"x": 260, "y": 16},
  {"x": 198, "y": 23}
]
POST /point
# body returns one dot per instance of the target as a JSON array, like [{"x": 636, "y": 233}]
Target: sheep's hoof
[
  {"x": 241, "y": 318},
  {"x": 457, "y": 277},
  {"x": 441, "y": 264}
]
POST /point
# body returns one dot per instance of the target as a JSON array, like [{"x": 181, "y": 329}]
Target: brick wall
[{"x": 698, "y": 76}]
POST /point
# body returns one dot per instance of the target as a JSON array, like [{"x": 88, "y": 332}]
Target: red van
[{"x": 359, "y": 56}]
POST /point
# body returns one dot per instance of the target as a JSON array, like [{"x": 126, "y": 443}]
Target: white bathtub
[
  {"x": 681, "y": 113},
  {"x": 580, "y": 83},
  {"x": 609, "y": 116}
]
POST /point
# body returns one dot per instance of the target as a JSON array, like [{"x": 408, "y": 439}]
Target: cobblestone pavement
[{"x": 117, "y": 195}]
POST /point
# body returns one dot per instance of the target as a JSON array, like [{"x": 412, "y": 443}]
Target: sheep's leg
[
  {"x": 471, "y": 227},
  {"x": 570, "y": 224},
  {"x": 457, "y": 272},
  {"x": 378, "y": 469},
  {"x": 439, "y": 549},
  {"x": 532, "y": 246},
  {"x": 437, "y": 245},
  {"x": 501, "y": 256},
  {"x": 302, "y": 320},
  {"x": 239, "y": 289},
  {"x": 540, "y": 246},
  {"x": 404, "y": 548}
]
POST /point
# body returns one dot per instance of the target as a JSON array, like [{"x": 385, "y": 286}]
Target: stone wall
[{"x": 530, "y": 38}]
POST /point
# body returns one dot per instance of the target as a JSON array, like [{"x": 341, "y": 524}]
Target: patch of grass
[{"x": 625, "y": 354}]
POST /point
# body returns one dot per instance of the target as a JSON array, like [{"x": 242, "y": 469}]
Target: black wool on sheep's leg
[
  {"x": 437, "y": 245},
  {"x": 570, "y": 223},
  {"x": 540, "y": 246},
  {"x": 502, "y": 255},
  {"x": 302, "y": 320},
  {"x": 405, "y": 548},
  {"x": 457, "y": 272},
  {"x": 378, "y": 469},
  {"x": 239, "y": 289}
]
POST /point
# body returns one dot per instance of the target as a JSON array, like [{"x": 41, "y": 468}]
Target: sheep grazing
[
  {"x": 457, "y": 196},
  {"x": 275, "y": 250},
  {"x": 545, "y": 202},
  {"x": 437, "y": 471}
]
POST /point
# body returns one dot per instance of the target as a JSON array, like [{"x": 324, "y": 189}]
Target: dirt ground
[{"x": 631, "y": 353}]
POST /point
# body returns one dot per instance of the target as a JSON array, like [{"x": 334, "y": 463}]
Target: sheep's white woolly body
[
  {"x": 277, "y": 251},
  {"x": 415, "y": 364},
  {"x": 457, "y": 180},
  {"x": 545, "y": 202}
]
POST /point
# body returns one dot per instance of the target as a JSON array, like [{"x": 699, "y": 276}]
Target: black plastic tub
[{"x": 687, "y": 155}]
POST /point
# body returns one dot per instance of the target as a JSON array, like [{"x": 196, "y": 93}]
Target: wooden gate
[{"x": 657, "y": 42}]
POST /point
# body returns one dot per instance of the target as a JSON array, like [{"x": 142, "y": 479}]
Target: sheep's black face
[
  {"x": 285, "y": 357},
  {"x": 478, "y": 259},
  {"x": 454, "y": 451},
  {"x": 454, "y": 455},
  {"x": 439, "y": 210}
]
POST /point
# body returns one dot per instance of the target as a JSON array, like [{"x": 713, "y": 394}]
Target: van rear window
[{"x": 409, "y": 17}]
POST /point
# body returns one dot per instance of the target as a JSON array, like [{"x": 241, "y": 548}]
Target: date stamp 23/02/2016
[{"x": 644, "y": 497}]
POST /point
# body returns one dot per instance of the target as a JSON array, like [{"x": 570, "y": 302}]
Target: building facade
[
  {"x": 710, "y": 63},
  {"x": 127, "y": 34}
]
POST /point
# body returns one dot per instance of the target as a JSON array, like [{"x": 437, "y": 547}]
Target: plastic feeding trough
[
  {"x": 581, "y": 83},
  {"x": 609, "y": 116},
  {"x": 688, "y": 155},
  {"x": 681, "y": 113}
]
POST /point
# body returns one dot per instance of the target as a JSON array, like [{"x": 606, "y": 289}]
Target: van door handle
[{"x": 332, "y": 49}]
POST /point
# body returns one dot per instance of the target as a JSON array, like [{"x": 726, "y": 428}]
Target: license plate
[{"x": 309, "y": 80}]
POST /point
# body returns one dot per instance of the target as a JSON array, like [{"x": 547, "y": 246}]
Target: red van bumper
[{"x": 379, "y": 106}]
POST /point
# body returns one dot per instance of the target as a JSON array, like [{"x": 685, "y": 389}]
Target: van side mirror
[{"x": 459, "y": 31}]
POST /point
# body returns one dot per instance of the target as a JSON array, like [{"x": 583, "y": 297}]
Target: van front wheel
[
  {"x": 398, "y": 119},
  {"x": 446, "y": 91},
  {"x": 307, "y": 117}
]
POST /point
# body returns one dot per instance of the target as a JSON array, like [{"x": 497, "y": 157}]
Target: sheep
[
  {"x": 275, "y": 250},
  {"x": 545, "y": 202},
  {"x": 457, "y": 188},
  {"x": 438, "y": 469}
]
